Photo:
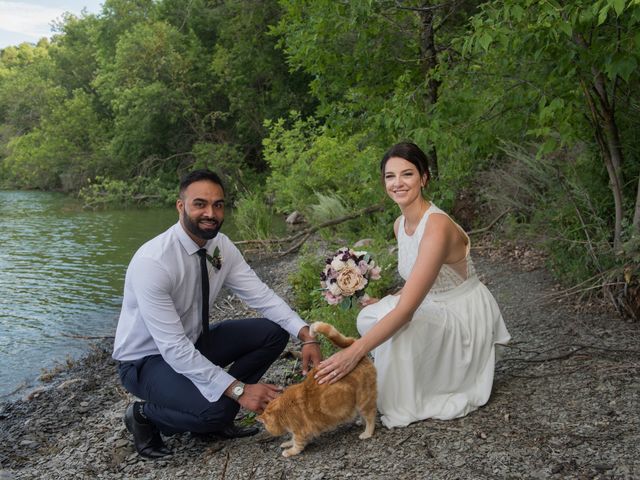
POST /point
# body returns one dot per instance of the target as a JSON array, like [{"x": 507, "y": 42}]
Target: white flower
[
  {"x": 334, "y": 288},
  {"x": 337, "y": 264}
]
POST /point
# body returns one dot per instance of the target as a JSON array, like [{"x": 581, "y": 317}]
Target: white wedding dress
[{"x": 440, "y": 364}]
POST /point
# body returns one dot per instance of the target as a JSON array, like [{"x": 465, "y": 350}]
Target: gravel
[{"x": 564, "y": 405}]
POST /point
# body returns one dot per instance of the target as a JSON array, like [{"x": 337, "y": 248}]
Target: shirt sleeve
[
  {"x": 152, "y": 286},
  {"x": 244, "y": 282}
]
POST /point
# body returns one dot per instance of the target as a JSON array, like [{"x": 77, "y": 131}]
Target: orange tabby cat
[{"x": 307, "y": 409}]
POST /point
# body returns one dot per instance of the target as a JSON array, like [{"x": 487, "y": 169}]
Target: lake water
[{"x": 61, "y": 276}]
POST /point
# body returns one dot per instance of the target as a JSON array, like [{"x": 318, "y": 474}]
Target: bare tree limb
[
  {"x": 303, "y": 235},
  {"x": 490, "y": 226}
]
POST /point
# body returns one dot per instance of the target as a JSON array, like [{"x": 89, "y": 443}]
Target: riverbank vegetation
[{"x": 525, "y": 106}]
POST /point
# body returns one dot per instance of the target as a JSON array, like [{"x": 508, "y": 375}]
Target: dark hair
[
  {"x": 196, "y": 176},
  {"x": 409, "y": 152}
]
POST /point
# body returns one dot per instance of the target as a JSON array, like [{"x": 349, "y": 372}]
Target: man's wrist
[
  {"x": 304, "y": 335},
  {"x": 237, "y": 390}
]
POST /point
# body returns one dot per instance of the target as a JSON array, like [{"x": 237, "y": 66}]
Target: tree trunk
[
  {"x": 429, "y": 62},
  {"x": 606, "y": 133},
  {"x": 636, "y": 215}
]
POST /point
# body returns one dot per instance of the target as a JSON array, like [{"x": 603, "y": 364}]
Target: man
[{"x": 165, "y": 355}]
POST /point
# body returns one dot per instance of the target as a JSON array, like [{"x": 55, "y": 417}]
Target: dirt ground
[{"x": 565, "y": 404}]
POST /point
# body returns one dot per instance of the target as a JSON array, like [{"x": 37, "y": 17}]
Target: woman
[{"x": 433, "y": 342}]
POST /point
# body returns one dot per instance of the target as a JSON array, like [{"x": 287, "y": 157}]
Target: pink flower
[
  {"x": 363, "y": 266},
  {"x": 331, "y": 298},
  {"x": 374, "y": 273}
]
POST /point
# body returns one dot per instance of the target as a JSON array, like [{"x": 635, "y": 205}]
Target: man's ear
[{"x": 179, "y": 205}]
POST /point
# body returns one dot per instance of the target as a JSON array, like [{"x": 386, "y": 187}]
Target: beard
[{"x": 207, "y": 234}]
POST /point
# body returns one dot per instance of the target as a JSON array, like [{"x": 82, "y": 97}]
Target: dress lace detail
[{"x": 450, "y": 275}]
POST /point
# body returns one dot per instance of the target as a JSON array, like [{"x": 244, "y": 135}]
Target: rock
[
  {"x": 122, "y": 443},
  {"x": 29, "y": 443},
  {"x": 364, "y": 242},
  {"x": 68, "y": 383},
  {"x": 294, "y": 217}
]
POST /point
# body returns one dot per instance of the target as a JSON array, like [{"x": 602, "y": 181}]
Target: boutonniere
[{"x": 216, "y": 259}]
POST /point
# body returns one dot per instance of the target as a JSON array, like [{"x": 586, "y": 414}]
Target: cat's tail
[{"x": 331, "y": 333}]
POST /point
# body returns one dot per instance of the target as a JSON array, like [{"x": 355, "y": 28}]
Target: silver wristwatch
[{"x": 237, "y": 391}]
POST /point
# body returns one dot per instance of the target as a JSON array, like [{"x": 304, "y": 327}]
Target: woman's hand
[{"x": 338, "y": 365}]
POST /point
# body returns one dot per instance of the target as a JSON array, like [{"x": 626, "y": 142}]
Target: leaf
[
  {"x": 518, "y": 12},
  {"x": 549, "y": 145},
  {"x": 618, "y": 6},
  {"x": 566, "y": 29},
  {"x": 485, "y": 40},
  {"x": 622, "y": 66},
  {"x": 602, "y": 17},
  {"x": 346, "y": 303}
]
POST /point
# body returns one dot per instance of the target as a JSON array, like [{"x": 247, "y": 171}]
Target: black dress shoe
[
  {"x": 146, "y": 437},
  {"x": 234, "y": 431}
]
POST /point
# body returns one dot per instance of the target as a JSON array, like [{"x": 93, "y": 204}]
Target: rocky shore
[{"x": 565, "y": 404}]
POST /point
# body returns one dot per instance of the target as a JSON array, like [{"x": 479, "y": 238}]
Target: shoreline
[{"x": 564, "y": 405}]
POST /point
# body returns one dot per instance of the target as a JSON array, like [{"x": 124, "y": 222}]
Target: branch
[
  {"x": 399, "y": 6},
  {"x": 488, "y": 227},
  {"x": 307, "y": 232}
]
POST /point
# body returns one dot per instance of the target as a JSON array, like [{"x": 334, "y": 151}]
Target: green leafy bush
[
  {"x": 252, "y": 217},
  {"x": 103, "y": 192},
  {"x": 306, "y": 160}
]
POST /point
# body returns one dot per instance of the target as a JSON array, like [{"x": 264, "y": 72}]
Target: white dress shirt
[{"x": 163, "y": 298}]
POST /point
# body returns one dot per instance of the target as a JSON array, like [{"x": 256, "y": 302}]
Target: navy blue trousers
[{"x": 174, "y": 403}]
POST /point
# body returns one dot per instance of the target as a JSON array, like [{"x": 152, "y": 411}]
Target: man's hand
[
  {"x": 256, "y": 396},
  {"x": 311, "y": 354}
]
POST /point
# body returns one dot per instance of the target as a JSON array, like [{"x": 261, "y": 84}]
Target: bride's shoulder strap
[{"x": 398, "y": 224}]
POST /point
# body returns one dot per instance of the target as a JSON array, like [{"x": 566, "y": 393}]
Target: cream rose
[
  {"x": 337, "y": 264},
  {"x": 350, "y": 280},
  {"x": 334, "y": 288}
]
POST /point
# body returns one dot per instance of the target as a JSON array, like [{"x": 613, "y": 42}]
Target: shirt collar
[{"x": 186, "y": 241}]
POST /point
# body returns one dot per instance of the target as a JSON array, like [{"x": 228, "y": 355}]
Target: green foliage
[
  {"x": 104, "y": 192},
  {"x": 161, "y": 79},
  {"x": 328, "y": 207},
  {"x": 252, "y": 217},
  {"x": 306, "y": 160},
  {"x": 61, "y": 153}
]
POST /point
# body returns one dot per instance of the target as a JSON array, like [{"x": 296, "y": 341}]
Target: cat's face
[{"x": 271, "y": 423}]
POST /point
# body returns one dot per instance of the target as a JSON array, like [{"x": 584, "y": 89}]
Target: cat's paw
[
  {"x": 364, "y": 435},
  {"x": 287, "y": 444},
  {"x": 290, "y": 452}
]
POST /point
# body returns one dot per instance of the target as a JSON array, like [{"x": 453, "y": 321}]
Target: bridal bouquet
[{"x": 345, "y": 276}]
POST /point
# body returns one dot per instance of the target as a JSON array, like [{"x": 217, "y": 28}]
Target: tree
[{"x": 582, "y": 57}]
